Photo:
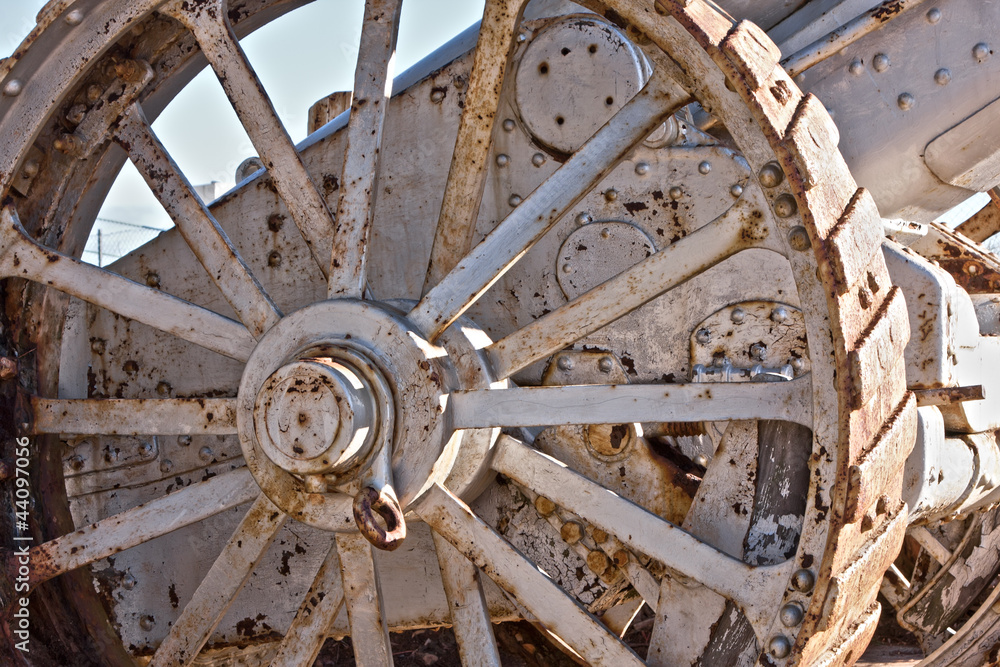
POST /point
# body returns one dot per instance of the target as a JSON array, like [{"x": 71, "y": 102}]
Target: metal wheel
[{"x": 231, "y": 385}]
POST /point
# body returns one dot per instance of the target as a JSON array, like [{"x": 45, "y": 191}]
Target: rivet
[
  {"x": 565, "y": 364},
  {"x": 163, "y": 387},
  {"x": 514, "y": 200},
  {"x": 736, "y": 190},
  {"x": 779, "y": 646},
  {"x": 583, "y": 219},
  {"x": 857, "y": 68},
  {"x": 704, "y": 336},
  {"x": 881, "y": 62},
  {"x": 605, "y": 233},
  {"x": 147, "y": 623},
  {"x": 274, "y": 259},
  {"x": 131, "y": 366},
  {"x": 738, "y": 316},
  {"x": 934, "y": 15},
  {"x": 128, "y": 582},
  {"x": 611, "y": 194},
  {"x": 605, "y": 365},
  {"x": 701, "y": 460},
  {"x": 166, "y": 465},
  {"x": 942, "y": 77},
  {"x": 76, "y": 462},
  {"x": 538, "y": 159},
  {"x": 571, "y": 532},
  {"x": 184, "y": 440},
  {"x": 544, "y": 506},
  {"x": 13, "y": 88},
  {"x": 758, "y": 351},
  {"x": 780, "y": 315},
  {"x": 567, "y": 268},
  {"x": 785, "y": 206},
  {"x": 112, "y": 455},
  {"x": 705, "y": 168},
  {"x": 97, "y": 346},
  {"x": 906, "y": 101},
  {"x": 503, "y": 160},
  {"x": 642, "y": 168},
  {"x": 75, "y": 17},
  {"x": 76, "y": 114},
  {"x": 803, "y": 580},
  {"x": 798, "y": 239},
  {"x": 437, "y": 96},
  {"x": 205, "y": 453},
  {"x": 675, "y": 193},
  {"x": 771, "y": 175},
  {"x": 509, "y": 125},
  {"x": 791, "y": 615},
  {"x": 981, "y": 51},
  {"x": 146, "y": 449},
  {"x": 152, "y": 280},
  {"x": 30, "y": 169}
]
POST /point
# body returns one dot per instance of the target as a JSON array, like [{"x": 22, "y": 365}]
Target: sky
[{"x": 300, "y": 58}]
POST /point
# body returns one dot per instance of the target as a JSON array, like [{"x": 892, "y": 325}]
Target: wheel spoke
[
  {"x": 520, "y": 230},
  {"x": 463, "y": 192},
  {"x": 754, "y": 589},
  {"x": 223, "y": 582},
  {"x": 323, "y": 601},
  {"x": 662, "y": 271},
  {"x": 209, "y": 23},
  {"x": 118, "y": 416},
  {"x": 621, "y": 404},
  {"x": 365, "y": 606},
  {"x": 141, "y": 524},
  {"x": 22, "y": 257},
  {"x": 561, "y": 614},
  {"x": 470, "y": 617},
  {"x": 372, "y": 89},
  {"x": 201, "y": 231}
]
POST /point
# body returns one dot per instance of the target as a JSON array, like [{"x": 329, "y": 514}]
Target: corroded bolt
[
  {"x": 857, "y": 68},
  {"x": 97, "y": 346},
  {"x": 112, "y": 455},
  {"x": 8, "y": 368},
  {"x": 544, "y": 506},
  {"x": 130, "y": 70},
  {"x": 275, "y": 222},
  {"x": 934, "y": 15},
  {"x": 76, "y": 114},
  {"x": 605, "y": 365},
  {"x": 75, "y": 17},
  {"x": 30, "y": 169},
  {"x": 701, "y": 460},
  {"x": 943, "y": 76},
  {"x": 76, "y": 463},
  {"x": 94, "y": 93},
  {"x": 13, "y": 88},
  {"x": 736, "y": 190},
  {"x": 598, "y": 562},
  {"x": 798, "y": 239},
  {"x": 128, "y": 582},
  {"x": 738, "y": 316},
  {"x": 803, "y": 580},
  {"x": 599, "y": 535},
  {"x": 163, "y": 387},
  {"x": 184, "y": 441},
  {"x": 785, "y": 206},
  {"x": 906, "y": 101},
  {"x": 146, "y": 449},
  {"x": 67, "y": 143},
  {"x": 704, "y": 336},
  {"x": 771, "y": 175},
  {"x": 565, "y": 364},
  {"x": 779, "y": 646},
  {"x": 791, "y": 615},
  {"x": 572, "y": 532},
  {"x": 797, "y": 364},
  {"x": 131, "y": 366},
  {"x": 621, "y": 558},
  {"x": 503, "y": 160},
  {"x": 152, "y": 279},
  {"x": 437, "y": 96},
  {"x": 316, "y": 484}
]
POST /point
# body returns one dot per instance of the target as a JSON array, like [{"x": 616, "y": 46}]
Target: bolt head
[
  {"x": 798, "y": 239},
  {"x": 785, "y": 206},
  {"x": 75, "y": 17},
  {"x": 981, "y": 51},
  {"x": 152, "y": 280},
  {"x": 274, "y": 259},
  {"x": 30, "y": 169},
  {"x": 736, "y": 191},
  {"x": 881, "y": 62},
  {"x": 13, "y": 88},
  {"x": 598, "y": 562},
  {"x": 503, "y": 160},
  {"x": 538, "y": 159},
  {"x": 791, "y": 615},
  {"x": 796, "y": 363},
  {"x": 758, "y": 351},
  {"x": 780, "y": 315},
  {"x": 675, "y": 193},
  {"x": 514, "y": 200},
  {"x": 611, "y": 194},
  {"x": 942, "y": 77},
  {"x": 147, "y": 623},
  {"x": 803, "y": 580},
  {"x": 934, "y": 15},
  {"x": 738, "y": 316},
  {"x": 567, "y": 268},
  {"x": 642, "y": 168},
  {"x": 906, "y": 101},
  {"x": 704, "y": 336},
  {"x": 779, "y": 647},
  {"x": 584, "y": 219},
  {"x": 509, "y": 125},
  {"x": 605, "y": 365},
  {"x": 705, "y": 168},
  {"x": 571, "y": 532},
  {"x": 184, "y": 441},
  {"x": 857, "y": 68},
  {"x": 544, "y": 506},
  {"x": 128, "y": 582},
  {"x": 565, "y": 364},
  {"x": 437, "y": 96},
  {"x": 76, "y": 463},
  {"x": 771, "y": 175},
  {"x": 166, "y": 465}
]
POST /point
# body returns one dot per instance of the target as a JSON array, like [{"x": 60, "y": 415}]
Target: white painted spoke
[
  {"x": 202, "y": 232},
  {"x": 220, "y": 586},
  {"x": 365, "y": 606},
  {"x": 520, "y": 230},
  {"x": 662, "y": 271},
  {"x": 754, "y": 589},
  {"x": 319, "y": 609},
  {"x": 470, "y": 617},
  {"x": 22, "y": 257},
  {"x": 209, "y": 23},
  {"x": 463, "y": 193},
  {"x": 560, "y": 613},
  {"x": 121, "y": 416},
  {"x": 630, "y": 403},
  {"x": 372, "y": 89},
  {"x": 141, "y": 524}
]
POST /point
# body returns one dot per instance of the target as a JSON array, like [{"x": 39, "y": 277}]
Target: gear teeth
[
  {"x": 853, "y": 645},
  {"x": 812, "y": 139},
  {"x": 852, "y": 243},
  {"x": 752, "y": 52},
  {"x": 879, "y": 348}
]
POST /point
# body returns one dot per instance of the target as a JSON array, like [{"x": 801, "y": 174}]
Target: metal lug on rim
[
  {"x": 738, "y": 316},
  {"x": 785, "y": 206},
  {"x": 544, "y": 506},
  {"x": 803, "y": 580},
  {"x": 779, "y": 646},
  {"x": 571, "y": 532},
  {"x": 605, "y": 365},
  {"x": 881, "y": 62},
  {"x": 798, "y": 239},
  {"x": 791, "y": 615},
  {"x": 771, "y": 175},
  {"x": 8, "y": 368},
  {"x": 704, "y": 336},
  {"x": 13, "y": 88}
]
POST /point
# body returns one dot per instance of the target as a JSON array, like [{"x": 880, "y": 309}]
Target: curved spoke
[
  {"x": 365, "y": 606},
  {"x": 208, "y": 22},
  {"x": 319, "y": 609},
  {"x": 470, "y": 617},
  {"x": 730, "y": 233},
  {"x": 22, "y": 257},
  {"x": 223, "y": 582},
  {"x": 141, "y": 524},
  {"x": 753, "y": 589},
  {"x": 463, "y": 191},
  {"x": 628, "y": 403},
  {"x": 520, "y": 230},
  {"x": 372, "y": 89},
  {"x": 201, "y": 231},
  {"x": 560, "y": 613},
  {"x": 123, "y": 416}
]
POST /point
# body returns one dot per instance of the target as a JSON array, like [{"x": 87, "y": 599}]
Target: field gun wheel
[{"x": 412, "y": 409}]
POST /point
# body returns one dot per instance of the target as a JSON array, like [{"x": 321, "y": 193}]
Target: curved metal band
[{"x": 370, "y": 502}]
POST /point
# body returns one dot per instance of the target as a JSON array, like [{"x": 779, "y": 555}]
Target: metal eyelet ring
[{"x": 370, "y": 502}]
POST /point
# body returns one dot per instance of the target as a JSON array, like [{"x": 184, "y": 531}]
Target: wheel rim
[{"x": 848, "y": 408}]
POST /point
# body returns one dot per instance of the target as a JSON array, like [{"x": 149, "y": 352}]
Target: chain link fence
[{"x": 111, "y": 239}]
